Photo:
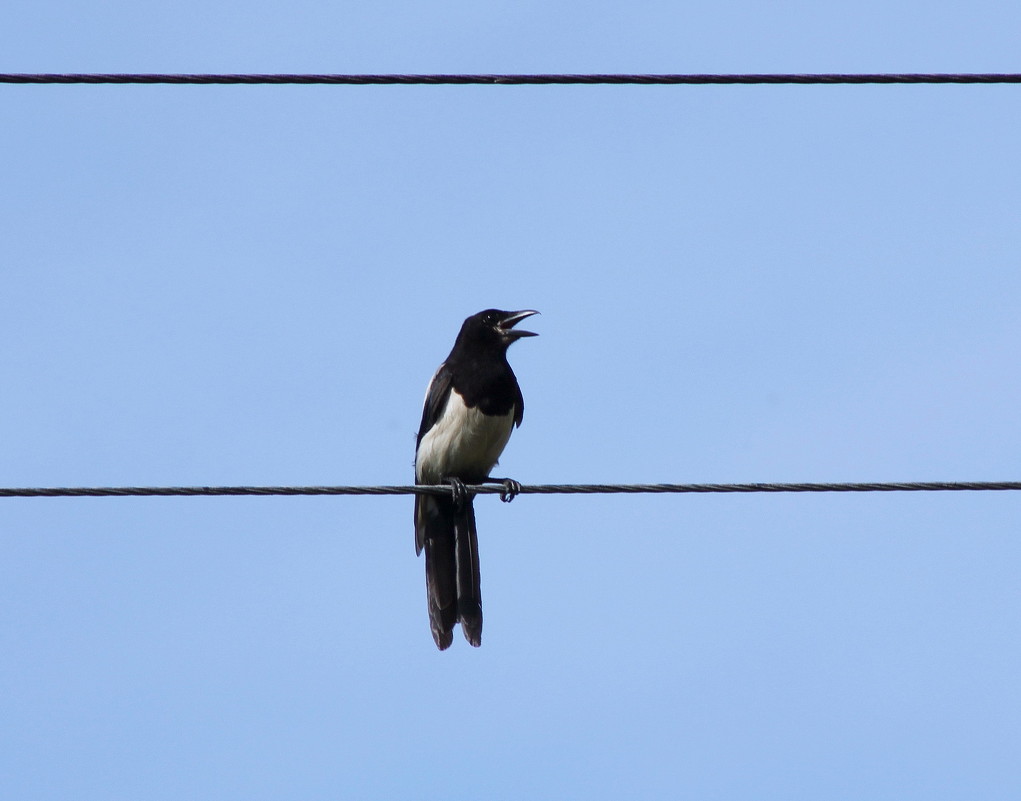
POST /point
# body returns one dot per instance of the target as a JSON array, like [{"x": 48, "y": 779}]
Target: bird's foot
[
  {"x": 458, "y": 491},
  {"x": 510, "y": 490}
]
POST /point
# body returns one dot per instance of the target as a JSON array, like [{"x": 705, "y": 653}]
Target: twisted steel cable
[
  {"x": 511, "y": 79},
  {"x": 526, "y": 489}
]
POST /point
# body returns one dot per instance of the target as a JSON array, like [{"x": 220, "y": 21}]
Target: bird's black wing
[
  {"x": 435, "y": 400},
  {"x": 435, "y": 528},
  {"x": 519, "y": 402}
]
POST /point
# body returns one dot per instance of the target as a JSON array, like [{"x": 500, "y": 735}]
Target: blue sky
[{"x": 229, "y": 285}]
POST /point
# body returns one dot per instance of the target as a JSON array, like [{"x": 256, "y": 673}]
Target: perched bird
[{"x": 472, "y": 404}]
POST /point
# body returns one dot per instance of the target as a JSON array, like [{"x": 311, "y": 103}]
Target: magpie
[{"x": 472, "y": 404}]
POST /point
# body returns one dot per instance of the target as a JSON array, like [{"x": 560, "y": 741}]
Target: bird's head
[{"x": 493, "y": 327}]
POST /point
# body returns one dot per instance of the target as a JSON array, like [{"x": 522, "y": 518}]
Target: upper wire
[{"x": 512, "y": 79}]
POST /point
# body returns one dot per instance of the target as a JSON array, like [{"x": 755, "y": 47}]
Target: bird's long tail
[
  {"x": 453, "y": 587},
  {"x": 469, "y": 582}
]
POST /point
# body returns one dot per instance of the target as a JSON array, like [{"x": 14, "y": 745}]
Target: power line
[
  {"x": 526, "y": 489},
  {"x": 512, "y": 79}
]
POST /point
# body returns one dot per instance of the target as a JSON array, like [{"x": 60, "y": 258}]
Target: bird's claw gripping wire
[
  {"x": 510, "y": 490},
  {"x": 458, "y": 492}
]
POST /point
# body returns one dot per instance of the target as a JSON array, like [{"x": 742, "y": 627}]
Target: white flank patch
[{"x": 462, "y": 442}]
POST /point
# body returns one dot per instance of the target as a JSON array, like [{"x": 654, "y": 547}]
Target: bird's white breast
[{"x": 463, "y": 442}]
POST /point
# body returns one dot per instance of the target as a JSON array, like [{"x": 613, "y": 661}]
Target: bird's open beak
[{"x": 512, "y": 319}]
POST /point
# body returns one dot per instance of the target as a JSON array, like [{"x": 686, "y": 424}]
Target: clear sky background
[{"x": 230, "y": 285}]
